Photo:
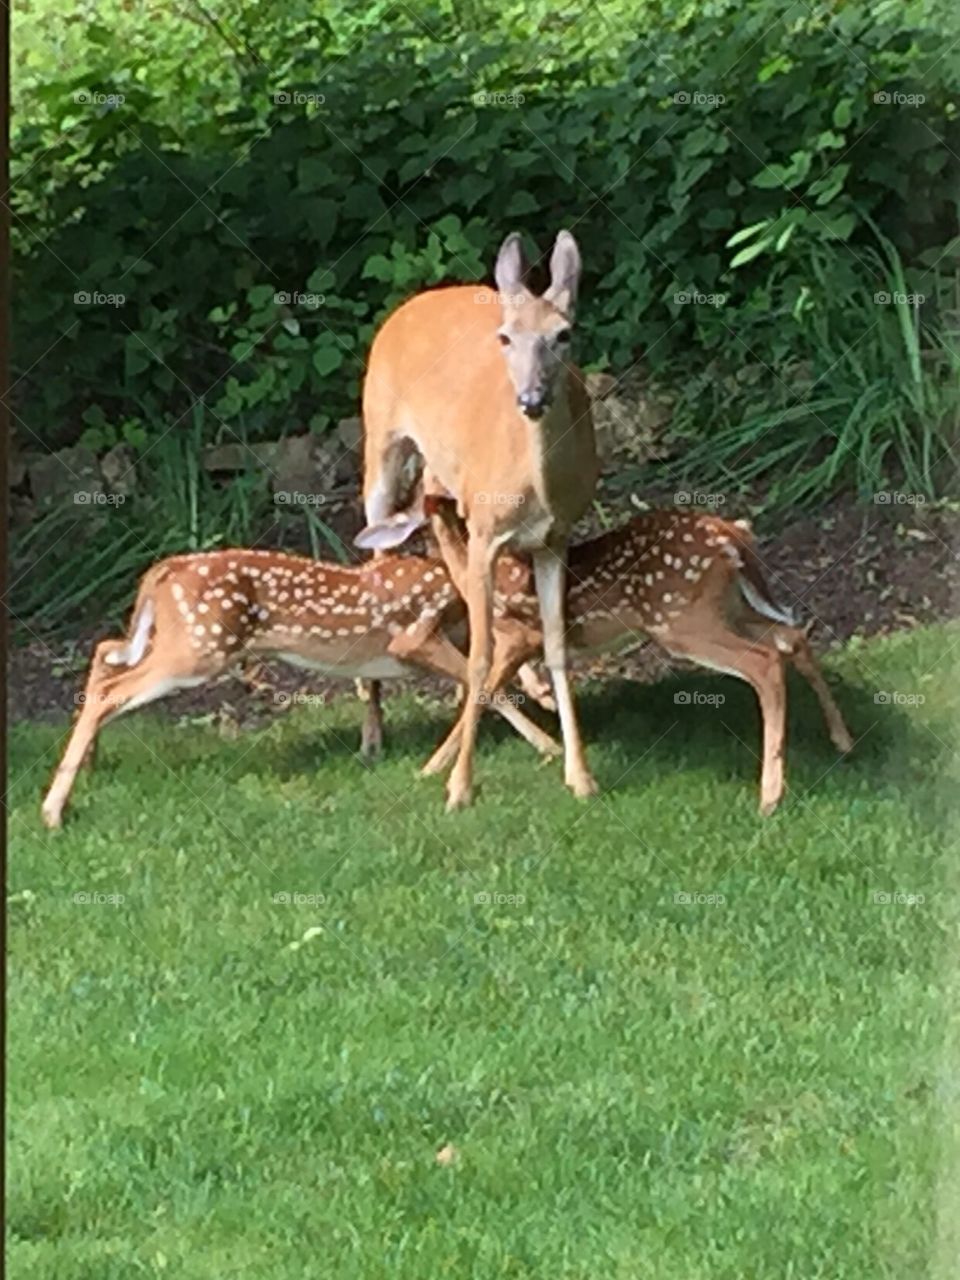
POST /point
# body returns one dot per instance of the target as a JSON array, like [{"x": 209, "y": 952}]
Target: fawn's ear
[
  {"x": 565, "y": 266},
  {"x": 392, "y": 532}
]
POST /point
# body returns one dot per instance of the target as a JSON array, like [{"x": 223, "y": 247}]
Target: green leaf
[
  {"x": 520, "y": 203},
  {"x": 260, "y": 295},
  {"x": 378, "y": 267},
  {"x": 745, "y": 233},
  {"x": 774, "y": 175},
  {"x": 843, "y": 113},
  {"x": 326, "y": 358},
  {"x": 751, "y": 251}
]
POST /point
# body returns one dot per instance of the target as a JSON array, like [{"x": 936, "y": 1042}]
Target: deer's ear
[
  {"x": 511, "y": 266},
  {"x": 392, "y": 532},
  {"x": 564, "y": 273}
]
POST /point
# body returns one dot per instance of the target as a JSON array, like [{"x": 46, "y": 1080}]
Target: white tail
[
  {"x": 480, "y": 384},
  {"x": 694, "y": 584},
  {"x": 196, "y": 616}
]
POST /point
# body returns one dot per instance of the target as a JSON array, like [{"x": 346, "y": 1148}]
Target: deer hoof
[{"x": 583, "y": 786}]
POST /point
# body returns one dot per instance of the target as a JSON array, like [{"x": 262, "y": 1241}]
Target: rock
[
  {"x": 631, "y": 425},
  {"x": 350, "y": 433},
  {"x": 241, "y": 457},
  {"x": 119, "y": 469},
  {"x": 599, "y": 385},
  {"x": 302, "y": 468},
  {"x": 71, "y": 475}
]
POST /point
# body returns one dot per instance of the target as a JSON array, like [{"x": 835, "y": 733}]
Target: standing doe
[{"x": 480, "y": 385}]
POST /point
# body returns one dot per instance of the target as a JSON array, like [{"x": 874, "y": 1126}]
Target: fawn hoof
[
  {"x": 844, "y": 743},
  {"x": 767, "y": 807},
  {"x": 52, "y": 817},
  {"x": 371, "y": 749},
  {"x": 459, "y": 796}
]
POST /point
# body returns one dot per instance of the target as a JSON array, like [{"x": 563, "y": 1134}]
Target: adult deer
[{"x": 479, "y": 383}]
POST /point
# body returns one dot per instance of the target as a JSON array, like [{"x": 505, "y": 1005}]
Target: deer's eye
[
  {"x": 562, "y": 336},
  {"x": 503, "y": 339}
]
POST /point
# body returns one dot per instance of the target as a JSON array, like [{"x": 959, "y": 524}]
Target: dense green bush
[{"x": 700, "y": 152}]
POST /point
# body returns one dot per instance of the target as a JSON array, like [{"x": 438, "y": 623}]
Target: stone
[
  {"x": 599, "y": 385},
  {"x": 350, "y": 433},
  {"x": 70, "y": 475},
  {"x": 119, "y": 469}
]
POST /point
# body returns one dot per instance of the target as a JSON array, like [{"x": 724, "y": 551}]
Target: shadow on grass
[
  {"x": 676, "y": 720},
  {"x": 673, "y": 725}
]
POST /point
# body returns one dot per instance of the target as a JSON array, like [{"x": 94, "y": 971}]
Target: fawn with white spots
[
  {"x": 480, "y": 385},
  {"x": 694, "y": 584},
  {"x": 196, "y": 616},
  {"x": 691, "y": 582}
]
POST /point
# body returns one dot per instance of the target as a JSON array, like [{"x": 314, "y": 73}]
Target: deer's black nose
[{"x": 532, "y": 403}]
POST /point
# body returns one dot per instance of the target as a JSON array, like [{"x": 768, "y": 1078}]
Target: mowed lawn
[{"x": 686, "y": 1043}]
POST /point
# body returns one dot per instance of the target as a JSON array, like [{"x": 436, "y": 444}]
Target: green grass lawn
[{"x": 206, "y": 1081}]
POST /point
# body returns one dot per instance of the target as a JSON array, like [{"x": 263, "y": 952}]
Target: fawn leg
[
  {"x": 435, "y": 651},
  {"x": 713, "y": 645},
  {"x": 109, "y": 692},
  {"x": 512, "y": 646},
  {"x": 371, "y": 735},
  {"x": 805, "y": 662}
]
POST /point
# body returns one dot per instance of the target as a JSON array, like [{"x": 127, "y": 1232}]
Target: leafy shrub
[{"x": 258, "y": 234}]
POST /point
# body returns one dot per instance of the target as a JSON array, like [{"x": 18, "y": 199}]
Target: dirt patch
[{"x": 854, "y": 569}]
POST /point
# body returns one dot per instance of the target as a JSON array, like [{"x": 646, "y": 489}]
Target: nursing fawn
[
  {"x": 196, "y": 616},
  {"x": 694, "y": 584}
]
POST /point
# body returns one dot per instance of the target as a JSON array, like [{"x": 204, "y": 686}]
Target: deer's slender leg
[
  {"x": 550, "y": 571},
  {"x": 512, "y": 646},
  {"x": 109, "y": 692},
  {"x": 481, "y": 556},
  {"x": 432, "y": 649},
  {"x": 805, "y": 662},
  {"x": 371, "y": 736},
  {"x": 713, "y": 645}
]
